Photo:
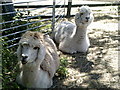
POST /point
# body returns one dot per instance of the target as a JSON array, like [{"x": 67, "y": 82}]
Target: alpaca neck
[
  {"x": 30, "y": 73},
  {"x": 27, "y": 70},
  {"x": 31, "y": 66},
  {"x": 81, "y": 31},
  {"x": 30, "y": 77}
]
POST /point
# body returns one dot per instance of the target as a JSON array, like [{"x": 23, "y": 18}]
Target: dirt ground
[{"x": 98, "y": 68}]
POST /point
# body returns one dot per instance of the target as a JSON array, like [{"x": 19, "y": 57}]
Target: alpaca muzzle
[
  {"x": 24, "y": 59},
  {"x": 87, "y": 19}
]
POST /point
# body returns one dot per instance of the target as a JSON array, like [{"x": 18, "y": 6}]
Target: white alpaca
[
  {"x": 71, "y": 37},
  {"x": 39, "y": 60}
]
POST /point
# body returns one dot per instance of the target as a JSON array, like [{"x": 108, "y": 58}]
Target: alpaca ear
[
  {"x": 78, "y": 8},
  {"x": 77, "y": 16},
  {"x": 41, "y": 52},
  {"x": 19, "y": 52}
]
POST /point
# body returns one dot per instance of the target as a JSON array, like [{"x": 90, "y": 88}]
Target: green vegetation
[
  {"x": 62, "y": 72},
  {"x": 9, "y": 69},
  {"x": 8, "y": 56}
]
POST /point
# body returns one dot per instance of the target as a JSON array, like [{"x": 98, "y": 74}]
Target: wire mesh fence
[{"x": 17, "y": 20}]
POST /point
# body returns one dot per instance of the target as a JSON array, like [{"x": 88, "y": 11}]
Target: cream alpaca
[
  {"x": 71, "y": 37},
  {"x": 39, "y": 60}
]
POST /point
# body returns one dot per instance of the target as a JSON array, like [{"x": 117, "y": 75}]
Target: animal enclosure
[{"x": 98, "y": 68}]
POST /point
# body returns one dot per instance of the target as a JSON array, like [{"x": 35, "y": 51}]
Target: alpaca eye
[
  {"x": 36, "y": 48},
  {"x": 81, "y": 13},
  {"x": 77, "y": 17}
]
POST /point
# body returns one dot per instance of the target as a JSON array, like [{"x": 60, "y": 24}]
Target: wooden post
[{"x": 69, "y": 8}]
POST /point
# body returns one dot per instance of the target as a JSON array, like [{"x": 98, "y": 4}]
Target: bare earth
[{"x": 98, "y": 68}]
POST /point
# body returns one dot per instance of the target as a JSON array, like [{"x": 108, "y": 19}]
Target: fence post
[
  {"x": 69, "y": 8},
  {"x": 53, "y": 16},
  {"x": 0, "y": 47},
  {"x": 53, "y": 19},
  {"x": 119, "y": 18},
  {"x": 27, "y": 14},
  {"x": 118, "y": 41},
  {"x": 0, "y": 18}
]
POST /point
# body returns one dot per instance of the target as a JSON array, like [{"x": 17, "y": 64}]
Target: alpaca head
[
  {"x": 31, "y": 47},
  {"x": 84, "y": 16}
]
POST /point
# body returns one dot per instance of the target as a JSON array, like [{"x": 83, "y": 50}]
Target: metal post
[
  {"x": 118, "y": 42},
  {"x": 119, "y": 20},
  {"x": 0, "y": 17},
  {"x": 53, "y": 16},
  {"x": 53, "y": 19},
  {"x": 27, "y": 14},
  {"x": 0, "y": 47},
  {"x": 69, "y": 8},
  {"x": 64, "y": 8}
]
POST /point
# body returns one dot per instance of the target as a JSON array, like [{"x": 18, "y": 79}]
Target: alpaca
[
  {"x": 38, "y": 60},
  {"x": 72, "y": 38}
]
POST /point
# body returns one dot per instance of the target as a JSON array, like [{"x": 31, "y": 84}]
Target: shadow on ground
[
  {"x": 82, "y": 62},
  {"x": 103, "y": 17}
]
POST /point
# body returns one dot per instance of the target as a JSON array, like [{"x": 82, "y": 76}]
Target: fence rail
[{"x": 72, "y": 5}]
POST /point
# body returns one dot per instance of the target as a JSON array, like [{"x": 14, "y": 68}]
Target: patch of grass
[
  {"x": 9, "y": 69},
  {"x": 62, "y": 72},
  {"x": 42, "y": 28}
]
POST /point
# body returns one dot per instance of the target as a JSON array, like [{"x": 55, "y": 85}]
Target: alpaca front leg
[{"x": 84, "y": 46}]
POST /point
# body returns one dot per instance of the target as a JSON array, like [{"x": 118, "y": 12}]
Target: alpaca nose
[
  {"x": 87, "y": 18},
  {"x": 24, "y": 59}
]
